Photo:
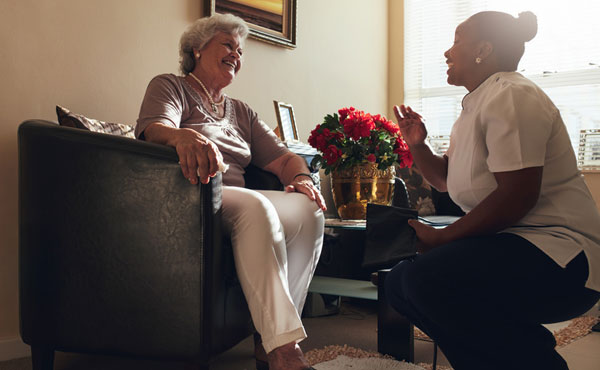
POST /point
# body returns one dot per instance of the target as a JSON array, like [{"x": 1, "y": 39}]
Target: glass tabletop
[
  {"x": 337, "y": 223},
  {"x": 437, "y": 222}
]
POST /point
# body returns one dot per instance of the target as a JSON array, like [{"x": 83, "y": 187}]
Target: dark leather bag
[{"x": 389, "y": 237}]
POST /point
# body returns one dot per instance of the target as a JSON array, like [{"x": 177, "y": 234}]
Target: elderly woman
[
  {"x": 276, "y": 236},
  {"x": 527, "y": 252}
]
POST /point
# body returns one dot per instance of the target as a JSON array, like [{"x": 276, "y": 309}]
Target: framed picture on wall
[
  {"x": 273, "y": 21},
  {"x": 286, "y": 122}
]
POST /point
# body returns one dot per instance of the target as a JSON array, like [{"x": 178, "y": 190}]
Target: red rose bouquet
[{"x": 355, "y": 137}]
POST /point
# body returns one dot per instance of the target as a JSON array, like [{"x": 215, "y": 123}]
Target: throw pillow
[
  {"x": 419, "y": 191},
  {"x": 67, "y": 118}
]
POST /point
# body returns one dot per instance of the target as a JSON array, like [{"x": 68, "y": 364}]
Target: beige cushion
[
  {"x": 67, "y": 118},
  {"x": 419, "y": 190}
]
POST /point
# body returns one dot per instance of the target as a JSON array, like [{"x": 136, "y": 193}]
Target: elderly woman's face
[
  {"x": 221, "y": 57},
  {"x": 460, "y": 58}
]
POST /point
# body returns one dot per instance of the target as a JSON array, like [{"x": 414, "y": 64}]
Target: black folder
[{"x": 389, "y": 237}]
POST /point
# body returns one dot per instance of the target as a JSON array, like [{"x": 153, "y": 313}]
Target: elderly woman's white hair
[{"x": 204, "y": 29}]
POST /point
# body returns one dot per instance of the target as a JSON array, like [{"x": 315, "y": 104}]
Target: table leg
[{"x": 395, "y": 335}]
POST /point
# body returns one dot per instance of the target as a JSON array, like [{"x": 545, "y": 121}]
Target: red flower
[
  {"x": 312, "y": 139},
  {"x": 358, "y": 124},
  {"x": 319, "y": 140},
  {"x": 389, "y": 126},
  {"x": 345, "y": 112},
  {"x": 355, "y": 137},
  {"x": 405, "y": 158},
  {"x": 331, "y": 154}
]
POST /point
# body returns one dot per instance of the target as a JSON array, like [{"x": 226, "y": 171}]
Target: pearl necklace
[{"x": 210, "y": 99}]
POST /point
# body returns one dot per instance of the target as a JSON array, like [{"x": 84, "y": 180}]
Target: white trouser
[{"x": 277, "y": 239}]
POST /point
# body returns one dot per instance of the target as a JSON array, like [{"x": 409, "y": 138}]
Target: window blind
[{"x": 563, "y": 59}]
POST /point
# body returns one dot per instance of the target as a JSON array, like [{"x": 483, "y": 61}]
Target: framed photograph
[
  {"x": 286, "y": 122},
  {"x": 273, "y": 21}
]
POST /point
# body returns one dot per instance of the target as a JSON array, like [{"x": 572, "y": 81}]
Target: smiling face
[
  {"x": 220, "y": 60},
  {"x": 461, "y": 56},
  {"x": 471, "y": 60}
]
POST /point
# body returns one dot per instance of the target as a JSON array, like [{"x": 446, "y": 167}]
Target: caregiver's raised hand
[{"x": 411, "y": 125}]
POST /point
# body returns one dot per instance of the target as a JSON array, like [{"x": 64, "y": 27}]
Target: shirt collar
[{"x": 472, "y": 96}]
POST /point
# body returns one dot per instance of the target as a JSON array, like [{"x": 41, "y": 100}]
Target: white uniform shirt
[{"x": 508, "y": 123}]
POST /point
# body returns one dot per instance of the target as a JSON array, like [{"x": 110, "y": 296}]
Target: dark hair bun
[{"x": 527, "y": 25}]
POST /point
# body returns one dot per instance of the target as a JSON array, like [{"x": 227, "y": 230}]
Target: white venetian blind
[{"x": 563, "y": 59}]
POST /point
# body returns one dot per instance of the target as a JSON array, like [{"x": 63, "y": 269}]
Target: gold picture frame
[
  {"x": 286, "y": 122},
  {"x": 273, "y": 21}
]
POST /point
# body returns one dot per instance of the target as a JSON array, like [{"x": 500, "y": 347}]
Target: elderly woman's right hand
[
  {"x": 411, "y": 125},
  {"x": 198, "y": 156}
]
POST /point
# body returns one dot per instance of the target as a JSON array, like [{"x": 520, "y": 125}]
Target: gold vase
[{"x": 354, "y": 187}]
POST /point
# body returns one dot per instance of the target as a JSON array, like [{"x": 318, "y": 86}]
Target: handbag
[{"x": 389, "y": 237}]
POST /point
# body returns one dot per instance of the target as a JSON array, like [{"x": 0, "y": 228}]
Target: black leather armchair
[{"x": 119, "y": 254}]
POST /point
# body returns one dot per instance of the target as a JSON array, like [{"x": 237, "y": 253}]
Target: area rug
[
  {"x": 370, "y": 363},
  {"x": 337, "y": 357},
  {"x": 577, "y": 328}
]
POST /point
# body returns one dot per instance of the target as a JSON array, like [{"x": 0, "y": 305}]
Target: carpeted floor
[
  {"x": 577, "y": 328},
  {"x": 328, "y": 338},
  {"x": 370, "y": 363}
]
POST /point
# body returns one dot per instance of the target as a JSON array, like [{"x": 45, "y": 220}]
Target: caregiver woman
[{"x": 527, "y": 252}]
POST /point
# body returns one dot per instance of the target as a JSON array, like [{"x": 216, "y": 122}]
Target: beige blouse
[{"x": 240, "y": 136}]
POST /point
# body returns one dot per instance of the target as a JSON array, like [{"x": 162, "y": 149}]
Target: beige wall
[
  {"x": 336, "y": 64},
  {"x": 395, "y": 55},
  {"x": 96, "y": 58}
]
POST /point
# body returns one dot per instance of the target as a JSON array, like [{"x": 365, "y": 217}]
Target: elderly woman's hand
[
  {"x": 304, "y": 184},
  {"x": 411, "y": 125},
  {"x": 198, "y": 156}
]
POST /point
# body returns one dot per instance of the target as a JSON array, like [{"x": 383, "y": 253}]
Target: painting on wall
[{"x": 273, "y": 21}]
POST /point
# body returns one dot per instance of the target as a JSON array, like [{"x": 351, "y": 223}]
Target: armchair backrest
[{"x": 257, "y": 178}]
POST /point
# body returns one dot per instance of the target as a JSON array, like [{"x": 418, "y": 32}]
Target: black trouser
[{"x": 483, "y": 300}]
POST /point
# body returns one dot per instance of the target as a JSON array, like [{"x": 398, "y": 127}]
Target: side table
[
  {"x": 338, "y": 286},
  {"x": 395, "y": 334}
]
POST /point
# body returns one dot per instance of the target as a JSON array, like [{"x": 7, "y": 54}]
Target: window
[
  {"x": 563, "y": 59},
  {"x": 588, "y": 157}
]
